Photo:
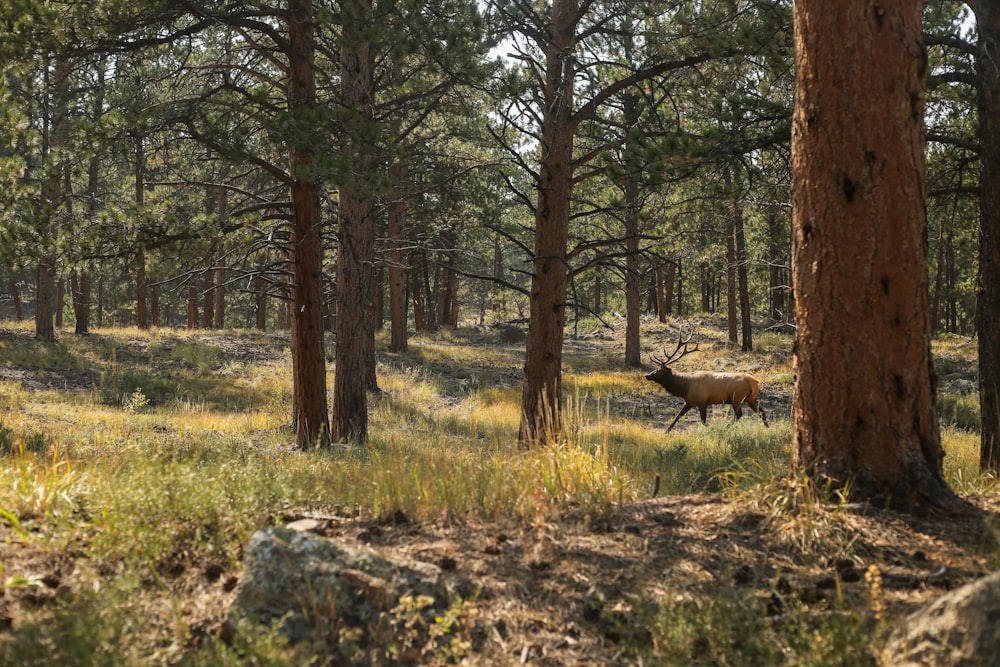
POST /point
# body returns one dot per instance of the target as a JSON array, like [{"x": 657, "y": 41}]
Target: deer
[{"x": 704, "y": 388}]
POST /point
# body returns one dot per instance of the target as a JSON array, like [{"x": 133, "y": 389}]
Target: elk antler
[{"x": 680, "y": 351}]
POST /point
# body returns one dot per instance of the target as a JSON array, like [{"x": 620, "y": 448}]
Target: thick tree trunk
[
  {"x": 988, "y": 311},
  {"x": 541, "y": 414},
  {"x": 356, "y": 235},
  {"x": 864, "y": 405},
  {"x": 308, "y": 358}
]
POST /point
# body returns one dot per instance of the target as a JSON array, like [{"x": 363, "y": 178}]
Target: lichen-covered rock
[
  {"x": 959, "y": 629},
  {"x": 351, "y": 600}
]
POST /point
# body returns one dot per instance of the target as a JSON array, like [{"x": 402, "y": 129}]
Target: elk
[{"x": 704, "y": 388}]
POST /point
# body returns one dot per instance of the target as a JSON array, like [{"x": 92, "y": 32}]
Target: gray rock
[
  {"x": 354, "y": 601},
  {"x": 959, "y": 629}
]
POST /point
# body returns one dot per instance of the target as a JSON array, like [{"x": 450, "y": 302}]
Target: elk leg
[
  {"x": 759, "y": 410},
  {"x": 703, "y": 409},
  {"x": 679, "y": 415},
  {"x": 738, "y": 409}
]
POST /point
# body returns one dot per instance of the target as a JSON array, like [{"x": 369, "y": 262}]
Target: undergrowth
[{"x": 152, "y": 463}]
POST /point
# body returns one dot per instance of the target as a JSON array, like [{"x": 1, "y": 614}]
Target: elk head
[{"x": 664, "y": 372}]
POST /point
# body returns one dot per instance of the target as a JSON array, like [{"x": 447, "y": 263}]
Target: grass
[{"x": 143, "y": 456}]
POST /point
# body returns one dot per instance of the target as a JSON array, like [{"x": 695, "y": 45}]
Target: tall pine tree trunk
[
  {"x": 82, "y": 293},
  {"x": 633, "y": 306},
  {"x": 731, "y": 303},
  {"x": 988, "y": 312},
  {"x": 541, "y": 413},
  {"x": 864, "y": 407},
  {"x": 309, "y": 416},
  {"x": 742, "y": 263},
  {"x": 52, "y": 202},
  {"x": 356, "y": 233}
]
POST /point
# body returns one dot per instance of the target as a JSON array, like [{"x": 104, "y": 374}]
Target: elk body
[{"x": 704, "y": 388}]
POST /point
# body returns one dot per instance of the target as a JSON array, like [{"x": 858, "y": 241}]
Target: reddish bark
[
  {"x": 356, "y": 236},
  {"x": 864, "y": 404},
  {"x": 310, "y": 415}
]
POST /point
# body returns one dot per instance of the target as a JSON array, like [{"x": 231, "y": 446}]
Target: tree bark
[
  {"x": 308, "y": 358},
  {"x": 356, "y": 234},
  {"x": 51, "y": 203},
  {"x": 988, "y": 311},
  {"x": 864, "y": 408},
  {"x": 633, "y": 297},
  {"x": 746, "y": 326},
  {"x": 731, "y": 303},
  {"x": 192, "y": 305},
  {"x": 541, "y": 414},
  {"x": 82, "y": 294}
]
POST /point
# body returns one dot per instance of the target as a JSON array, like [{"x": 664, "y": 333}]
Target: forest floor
[
  {"x": 570, "y": 593},
  {"x": 575, "y": 589}
]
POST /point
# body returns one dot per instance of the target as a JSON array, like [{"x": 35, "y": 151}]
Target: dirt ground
[{"x": 564, "y": 593}]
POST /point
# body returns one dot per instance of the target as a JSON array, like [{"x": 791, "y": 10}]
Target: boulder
[
  {"x": 959, "y": 629},
  {"x": 355, "y": 602}
]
